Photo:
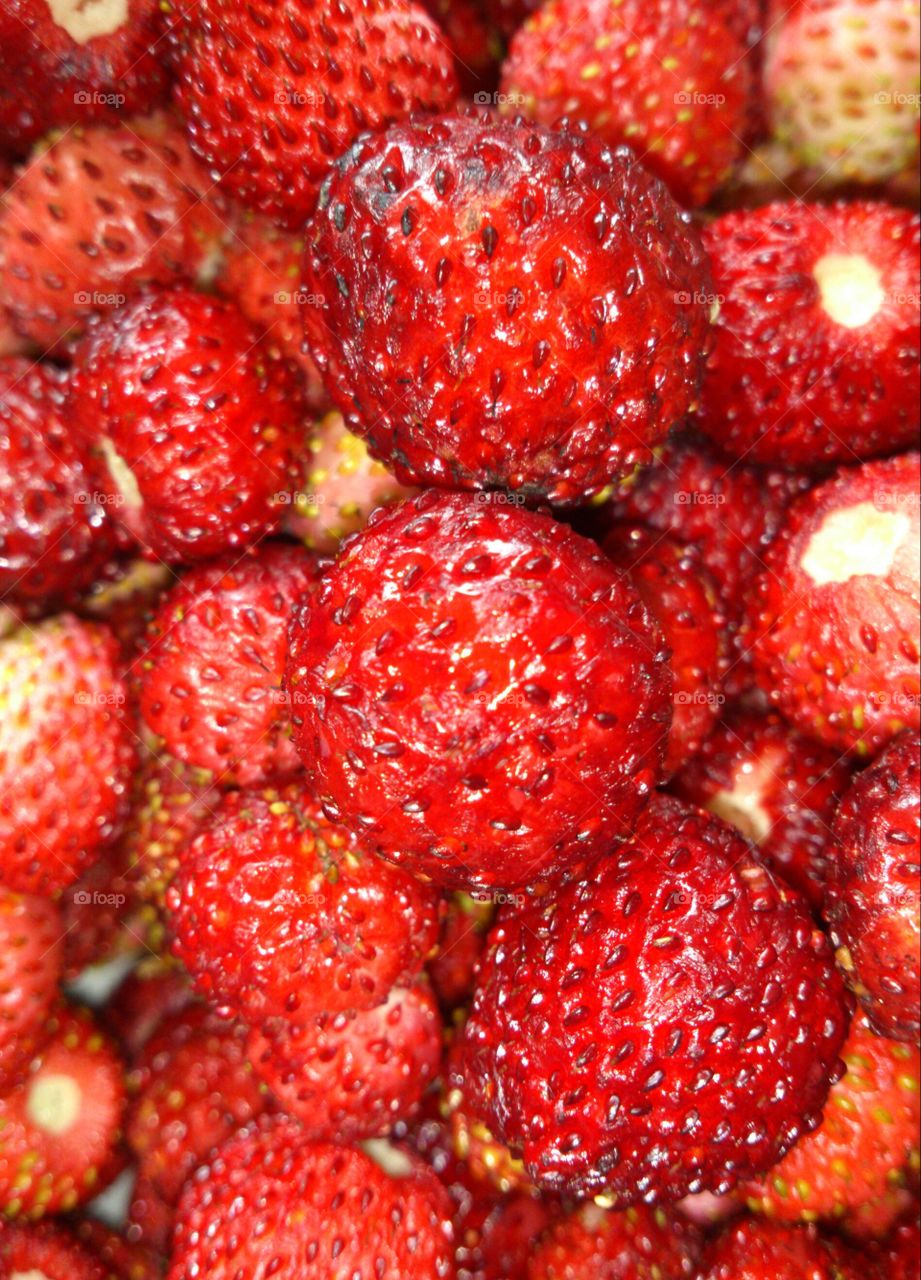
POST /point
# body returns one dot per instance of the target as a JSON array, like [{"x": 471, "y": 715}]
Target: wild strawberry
[
  {"x": 30, "y": 965},
  {"x": 102, "y": 915},
  {"x": 498, "y": 304},
  {"x": 641, "y": 1243},
  {"x": 66, "y": 753},
  {"x": 47, "y": 1252},
  {"x": 270, "y": 1200},
  {"x": 461, "y": 943},
  {"x": 836, "y": 608},
  {"x": 479, "y": 692},
  {"x": 273, "y": 92},
  {"x": 669, "y": 1025},
  {"x": 768, "y": 1250},
  {"x": 818, "y": 340},
  {"x": 779, "y": 788},
  {"x": 873, "y": 903},
  {"x": 278, "y": 912},
  {"x": 198, "y": 429},
  {"x": 212, "y": 667}
]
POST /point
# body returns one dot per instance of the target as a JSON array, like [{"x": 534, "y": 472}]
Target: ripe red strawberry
[
  {"x": 66, "y": 751},
  {"x": 900, "y": 1254},
  {"x": 212, "y": 668},
  {"x": 156, "y": 990},
  {"x": 669, "y": 78},
  {"x": 475, "y": 41},
  {"x": 124, "y": 599},
  {"x": 818, "y": 339},
  {"x": 669, "y": 1025},
  {"x": 461, "y": 943},
  {"x": 757, "y": 1250},
  {"x": 278, "y": 912},
  {"x": 479, "y": 691},
  {"x": 349, "y": 1076},
  {"x": 198, "y": 428},
  {"x": 124, "y": 1259},
  {"x": 60, "y": 1124},
  {"x": 150, "y": 1218},
  {"x": 836, "y": 609},
  {"x": 30, "y": 966},
  {"x": 873, "y": 904},
  {"x": 103, "y": 917},
  {"x": 504, "y": 305},
  {"x": 273, "y": 92},
  {"x": 683, "y": 598},
  {"x": 96, "y": 216},
  {"x": 865, "y": 1144},
  {"x": 192, "y": 1089},
  {"x": 47, "y": 1252},
  {"x": 640, "y": 1243},
  {"x": 779, "y": 788},
  {"x": 271, "y": 1202},
  {"x": 71, "y": 61}
]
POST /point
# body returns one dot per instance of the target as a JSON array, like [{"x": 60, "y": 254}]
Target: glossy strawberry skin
[
  {"x": 620, "y": 1030},
  {"x": 177, "y": 389},
  {"x": 639, "y": 1243},
  {"x": 278, "y": 912},
  {"x": 460, "y": 946},
  {"x": 790, "y": 382},
  {"x": 48, "y": 1252},
  {"x": 273, "y": 92},
  {"x": 509, "y": 691},
  {"x": 30, "y": 965},
  {"x": 873, "y": 902},
  {"x": 766, "y": 1250},
  {"x": 482, "y": 294}
]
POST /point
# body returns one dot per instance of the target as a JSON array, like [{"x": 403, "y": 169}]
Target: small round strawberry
[
  {"x": 60, "y": 1124},
  {"x": 670, "y": 1025},
  {"x": 479, "y": 692},
  {"x": 198, "y": 428},
  {"x": 779, "y": 788},
  {"x": 502, "y": 305},
  {"x": 211, "y": 671},
  {"x": 836, "y": 609},
  {"x": 818, "y": 339},
  {"x": 47, "y": 1252},
  {"x": 97, "y": 215},
  {"x": 683, "y": 598},
  {"x": 757, "y": 1250},
  {"x": 348, "y": 1076},
  {"x": 683, "y": 111},
  {"x": 638, "y": 1244},
  {"x": 278, "y": 912},
  {"x": 873, "y": 903},
  {"x": 272, "y": 95},
  {"x": 66, "y": 751},
  {"x": 270, "y": 1202},
  {"x": 461, "y": 944},
  {"x": 30, "y": 966}
]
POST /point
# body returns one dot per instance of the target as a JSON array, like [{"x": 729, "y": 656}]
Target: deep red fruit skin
[
  {"x": 271, "y": 1198},
  {"x": 30, "y": 965},
  {"x": 213, "y": 665},
  {"x": 662, "y": 1027},
  {"x": 787, "y": 382},
  {"x": 278, "y": 912},
  {"x": 900, "y": 1254},
  {"x": 479, "y": 692},
  {"x": 461, "y": 944},
  {"x": 124, "y": 1259},
  {"x": 837, "y": 642},
  {"x": 210, "y": 425},
  {"x": 347, "y": 1077},
  {"x": 873, "y": 901},
  {"x": 155, "y": 991},
  {"x": 65, "y": 75},
  {"x": 683, "y": 598},
  {"x": 475, "y": 41},
  {"x": 757, "y": 1250},
  {"x": 273, "y": 92},
  {"x": 48, "y": 1252},
  {"x": 638, "y": 1244},
  {"x": 780, "y": 788},
  {"x": 504, "y": 305}
]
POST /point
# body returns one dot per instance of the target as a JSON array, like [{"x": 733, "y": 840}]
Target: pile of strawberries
[{"x": 460, "y": 768}]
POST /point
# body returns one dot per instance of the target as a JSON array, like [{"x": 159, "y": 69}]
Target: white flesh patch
[
  {"x": 28, "y": 1275},
  {"x": 54, "y": 1104},
  {"x": 122, "y": 475},
  {"x": 742, "y": 806},
  {"x": 394, "y": 1162},
  {"x": 853, "y": 541},
  {"x": 85, "y": 19},
  {"x": 851, "y": 288}
]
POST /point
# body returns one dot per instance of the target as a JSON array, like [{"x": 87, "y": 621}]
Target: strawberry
[
  {"x": 71, "y": 61},
  {"x": 873, "y": 903},
  {"x": 770, "y": 1250},
  {"x": 153, "y": 992},
  {"x": 150, "y": 1218},
  {"x": 818, "y": 339},
  {"x": 460, "y": 946},
  {"x": 66, "y": 752},
  {"x": 639, "y": 1243},
  {"x": 97, "y": 215},
  {"x": 197, "y": 427},
  {"x": 900, "y": 1254},
  {"x": 453, "y": 263},
  {"x": 835, "y": 612},
  {"x": 124, "y": 601},
  {"x": 278, "y": 912},
  {"x": 866, "y": 1142},
  {"x": 212, "y": 668},
  {"x": 271, "y": 1202},
  {"x": 779, "y": 788},
  {"x": 30, "y": 965},
  {"x": 47, "y": 1252},
  {"x": 103, "y": 918},
  {"x": 669, "y": 1025},
  {"x": 509, "y": 1237},
  {"x": 59, "y": 1125},
  {"x": 272, "y": 92},
  {"x": 192, "y": 1088},
  {"x": 683, "y": 113},
  {"x": 683, "y": 598},
  {"x": 478, "y": 691},
  {"x": 348, "y": 1076},
  {"x": 475, "y": 41},
  {"x": 125, "y": 1260}
]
